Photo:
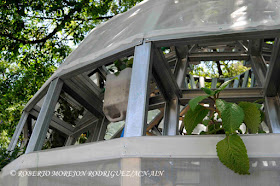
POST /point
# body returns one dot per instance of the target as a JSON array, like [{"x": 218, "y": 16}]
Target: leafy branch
[{"x": 226, "y": 118}]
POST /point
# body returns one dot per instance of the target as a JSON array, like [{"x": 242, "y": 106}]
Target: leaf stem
[{"x": 215, "y": 131}]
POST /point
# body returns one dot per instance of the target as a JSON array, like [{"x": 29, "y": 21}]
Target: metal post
[
  {"x": 18, "y": 130},
  {"x": 137, "y": 107},
  {"x": 172, "y": 107},
  {"x": 245, "y": 79},
  {"x": 40, "y": 130},
  {"x": 171, "y": 117},
  {"x": 272, "y": 85},
  {"x": 100, "y": 130},
  {"x": 272, "y": 110},
  {"x": 272, "y": 89},
  {"x": 258, "y": 64}
]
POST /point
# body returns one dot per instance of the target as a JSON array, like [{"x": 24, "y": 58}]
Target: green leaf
[
  {"x": 194, "y": 117},
  {"x": 262, "y": 116},
  {"x": 208, "y": 91},
  {"x": 193, "y": 102},
  {"x": 221, "y": 105},
  {"x": 202, "y": 133},
  {"x": 206, "y": 122},
  {"x": 260, "y": 131},
  {"x": 224, "y": 85},
  {"x": 252, "y": 117},
  {"x": 232, "y": 115},
  {"x": 259, "y": 106},
  {"x": 232, "y": 153}
]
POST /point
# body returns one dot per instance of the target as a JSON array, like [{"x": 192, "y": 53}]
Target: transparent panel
[
  {"x": 166, "y": 17},
  {"x": 209, "y": 172},
  {"x": 150, "y": 171}
]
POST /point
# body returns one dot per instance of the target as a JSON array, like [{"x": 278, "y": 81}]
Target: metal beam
[
  {"x": 84, "y": 128},
  {"x": 40, "y": 130},
  {"x": 218, "y": 56},
  {"x": 231, "y": 94},
  {"x": 138, "y": 99},
  {"x": 272, "y": 85},
  {"x": 245, "y": 79},
  {"x": 171, "y": 117},
  {"x": 55, "y": 119},
  {"x": 172, "y": 107},
  {"x": 18, "y": 130},
  {"x": 85, "y": 97},
  {"x": 272, "y": 89},
  {"x": 272, "y": 111},
  {"x": 257, "y": 61},
  {"x": 100, "y": 129},
  {"x": 163, "y": 76},
  {"x": 97, "y": 62},
  {"x": 55, "y": 123},
  {"x": 180, "y": 72},
  {"x": 156, "y": 120},
  {"x": 174, "y": 40},
  {"x": 259, "y": 69},
  {"x": 118, "y": 133},
  {"x": 90, "y": 84}
]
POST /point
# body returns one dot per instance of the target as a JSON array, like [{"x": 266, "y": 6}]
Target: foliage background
[{"x": 35, "y": 38}]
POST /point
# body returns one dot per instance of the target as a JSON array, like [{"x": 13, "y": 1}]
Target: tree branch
[{"x": 59, "y": 27}]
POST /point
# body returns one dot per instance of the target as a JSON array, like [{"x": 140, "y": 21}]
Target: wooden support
[
  {"x": 182, "y": 113},
  {"x": 40, "y": 130},
  {"x": 156, "y": 120}
]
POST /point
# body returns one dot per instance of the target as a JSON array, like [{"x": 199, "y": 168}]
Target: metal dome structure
[{"x": 193, "y": 31}]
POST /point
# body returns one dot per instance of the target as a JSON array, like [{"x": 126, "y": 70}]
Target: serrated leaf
[
  {"x": 232, "y": 153},
  {"x": 259, "y": 106},
  {"x": 208, "y": 91},
  {"x": 252, "y": 117},
  {"x": 193, "y": 102},
  {"x": 224, "y": 85},
  {"x": 194, "y": 117},
  {"x": 220, "y": 104},
  {"x": 232, "y": 115}
]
